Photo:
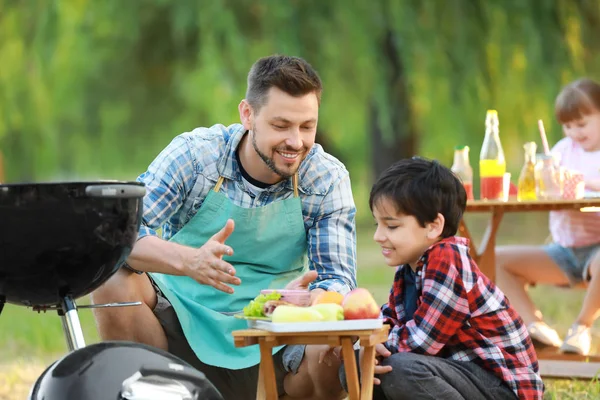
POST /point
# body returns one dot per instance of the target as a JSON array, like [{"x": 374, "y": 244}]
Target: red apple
[{"x": 360, "y": 304}]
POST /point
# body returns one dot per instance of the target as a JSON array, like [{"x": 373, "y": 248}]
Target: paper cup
[
  {"x": 506, "y": 186},
  {"x": 574, "y": 185}
]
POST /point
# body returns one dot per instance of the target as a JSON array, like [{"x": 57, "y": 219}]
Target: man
[{"x": 249, "y": 207}]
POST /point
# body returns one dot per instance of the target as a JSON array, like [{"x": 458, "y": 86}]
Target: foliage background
[{"x": 95, "y": 89}]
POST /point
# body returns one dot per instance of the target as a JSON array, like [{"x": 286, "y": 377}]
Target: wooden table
[
  {"x": 485, "y": 256},
  {"x": 267, "y": 386}
]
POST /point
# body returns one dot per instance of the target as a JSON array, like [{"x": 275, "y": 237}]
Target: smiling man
[{"x": 242, "y": 208}]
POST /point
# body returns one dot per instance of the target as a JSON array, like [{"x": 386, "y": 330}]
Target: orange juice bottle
[{"x": 492, "y": 165}]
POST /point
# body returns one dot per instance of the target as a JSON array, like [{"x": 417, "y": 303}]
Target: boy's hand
[
  {"x": 327, "y": 356},
  {"x": 381, "y": 352},
  {"x": 592, "y": 184}
]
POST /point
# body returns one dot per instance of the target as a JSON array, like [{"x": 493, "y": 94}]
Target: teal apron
[{"x": 269, "y": 246}]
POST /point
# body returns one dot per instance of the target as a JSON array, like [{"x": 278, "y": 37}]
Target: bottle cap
[
  {"x": 461, "y": 147},
  {"x": 491, "y": 117}
]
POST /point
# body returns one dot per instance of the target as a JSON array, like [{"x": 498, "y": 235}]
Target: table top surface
[{"x": 535, "y": 205}]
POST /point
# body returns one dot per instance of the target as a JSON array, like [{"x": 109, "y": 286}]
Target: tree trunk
[{"x": 402, "y": 143}]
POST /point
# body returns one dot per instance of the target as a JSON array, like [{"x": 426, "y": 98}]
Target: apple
[{"x": 360, "y": 304}]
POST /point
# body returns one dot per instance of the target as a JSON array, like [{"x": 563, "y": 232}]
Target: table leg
[
  {"x": 487, "y": 248},
  {"x": 350, "y": 367},
  {"x": 367, "y": 370},
  {"x": 267, "y": 385}
]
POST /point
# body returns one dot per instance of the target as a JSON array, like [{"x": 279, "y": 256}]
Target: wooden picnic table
[
  {"x": 551, "y": 362},
  {"x": 485, "y": 255},
  {"x": 267, "y": 386}
]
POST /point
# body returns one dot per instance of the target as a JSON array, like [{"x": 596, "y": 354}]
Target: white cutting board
[{"x": 346, "y": 325}]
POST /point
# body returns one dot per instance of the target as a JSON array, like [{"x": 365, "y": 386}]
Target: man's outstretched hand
[{"x": 206, "y": 264}]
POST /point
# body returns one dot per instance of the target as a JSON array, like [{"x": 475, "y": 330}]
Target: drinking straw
[{"x": 543, "y": 135}]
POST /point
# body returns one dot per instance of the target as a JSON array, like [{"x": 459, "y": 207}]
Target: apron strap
[
  {"x": 294, "y": 184},
  {"x": 219, "y": 183}
]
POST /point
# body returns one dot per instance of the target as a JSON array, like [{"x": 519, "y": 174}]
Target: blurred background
[{"x": 96, "y": 89}]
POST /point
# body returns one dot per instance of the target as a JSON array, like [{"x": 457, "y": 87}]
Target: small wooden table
[
  {"x": 552, "y": 364},
  {"x": 267, "y": 386}
]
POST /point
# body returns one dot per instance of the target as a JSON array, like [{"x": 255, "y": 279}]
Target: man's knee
[
  {"x": 125, "y": 286},
  {"x": 313, "y": 379}
]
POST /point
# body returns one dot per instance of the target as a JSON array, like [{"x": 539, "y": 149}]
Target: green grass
[{"x": 26, "y": 335}]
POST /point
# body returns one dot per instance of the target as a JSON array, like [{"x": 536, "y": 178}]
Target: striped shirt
[
  {"x": 462, "y": 316},
  {"x": 572, "y": 228},
  {"x": 181, "y": 176}
]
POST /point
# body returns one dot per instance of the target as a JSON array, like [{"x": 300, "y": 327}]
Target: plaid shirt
[
  {"x": 181, "y": 176},
  {"x": 463, "y": 316}
]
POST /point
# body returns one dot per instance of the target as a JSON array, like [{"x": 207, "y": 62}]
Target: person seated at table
[
  {"x": 573, "y": 258},
  {"x": 453, "y": 334}
]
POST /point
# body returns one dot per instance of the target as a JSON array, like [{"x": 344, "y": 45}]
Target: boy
[{"x": 453, "y": 333}]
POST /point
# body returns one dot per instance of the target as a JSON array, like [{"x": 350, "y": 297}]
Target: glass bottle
[
  {"x": 526, "y": 189},
  {"x": 462, "y": 169},
  {"x": 492, "y": 165},
  {"x": 549, "y": 178}
]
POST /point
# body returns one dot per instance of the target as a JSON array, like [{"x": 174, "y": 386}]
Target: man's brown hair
[
  {"x": 293, "y": 75},
  {"x": 576, "y": 100}
]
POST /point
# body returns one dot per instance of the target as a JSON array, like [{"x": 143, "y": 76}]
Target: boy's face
[{"x": 402, "y": 239}]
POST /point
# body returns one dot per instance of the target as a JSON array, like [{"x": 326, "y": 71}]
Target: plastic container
[
  {"x": 298, "y": 297},
  {"x": 492, "y": 165}
]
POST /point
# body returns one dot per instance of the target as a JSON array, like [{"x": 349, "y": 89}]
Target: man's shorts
[
  {"x": 573, "y": 261},
  {"x": 232, "y": 383}
]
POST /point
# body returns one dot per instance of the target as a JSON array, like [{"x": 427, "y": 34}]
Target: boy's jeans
[{"x": 417, "y": 377}]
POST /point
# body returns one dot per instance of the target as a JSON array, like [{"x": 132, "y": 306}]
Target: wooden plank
[
  {"x": 569, "y": 369},
  {"x": 367, "y": 372},
  {"x": 267, "y": 372},
  {"x": 553, "y": 353},
  {"x": 351, "y": 370},
  {"x": 524, "y": 206}
]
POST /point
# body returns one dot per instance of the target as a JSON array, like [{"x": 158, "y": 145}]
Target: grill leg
[{"x": 71, "y": 324}]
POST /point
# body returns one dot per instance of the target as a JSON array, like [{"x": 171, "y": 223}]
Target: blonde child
[{"x": 574, "y": 257}]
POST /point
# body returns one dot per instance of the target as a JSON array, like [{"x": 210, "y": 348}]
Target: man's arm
[
  {"x": 168, "y": 180},
  {"x": 332, "y": 240},
  {"x": 443, "y": 310}
]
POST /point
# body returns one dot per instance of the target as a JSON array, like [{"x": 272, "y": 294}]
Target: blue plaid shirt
[{"x": 180, "y": 177}]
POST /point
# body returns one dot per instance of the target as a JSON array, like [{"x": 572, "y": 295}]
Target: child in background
[
  {"x": 453, "y": 334},
  {"x": 573, "y": 258}
]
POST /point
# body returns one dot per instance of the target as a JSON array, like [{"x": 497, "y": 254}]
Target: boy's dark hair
[
  {"x": 422, "y": 188},
  {"x": 293, "y": 75}
]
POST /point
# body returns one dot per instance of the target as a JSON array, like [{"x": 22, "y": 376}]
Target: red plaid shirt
[{"x": 463, "y": 316}]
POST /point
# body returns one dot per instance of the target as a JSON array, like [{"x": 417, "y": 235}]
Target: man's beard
[{"x": 269, "y": 160}]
